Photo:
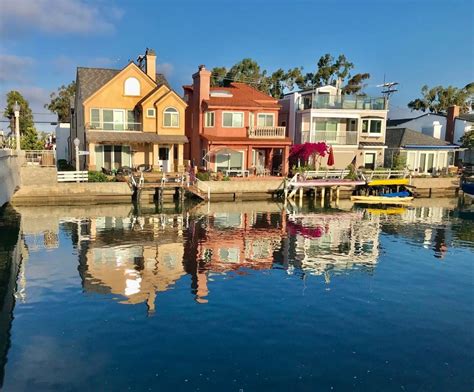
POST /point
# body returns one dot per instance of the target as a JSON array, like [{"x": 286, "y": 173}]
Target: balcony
[
  {"x": 330, "y": 137},
  {"x": 267, "y": 132},
  {"x": 346, "y": 102},
  {"x": 114, "y": 126}
]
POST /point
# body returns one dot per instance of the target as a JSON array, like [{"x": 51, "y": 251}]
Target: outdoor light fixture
[
  {"x": 77, "y": 142},
  {"x": 16, "y": 112}
]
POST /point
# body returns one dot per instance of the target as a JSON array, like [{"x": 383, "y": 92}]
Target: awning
[
  {"x": 133, "y": 137},
  {"x": 218, "y": 150}
]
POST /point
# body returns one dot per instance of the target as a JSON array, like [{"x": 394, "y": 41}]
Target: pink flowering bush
[{"x": 303, "y": 152}]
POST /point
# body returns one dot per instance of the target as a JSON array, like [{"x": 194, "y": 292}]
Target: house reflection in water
[
  {"x": 332, "y": 242},
  {"x": 134, "y": 258}
]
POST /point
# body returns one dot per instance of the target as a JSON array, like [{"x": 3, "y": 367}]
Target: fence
[
  {"x": 73, "y": 176},
  {"x": 46, "y": 158}
]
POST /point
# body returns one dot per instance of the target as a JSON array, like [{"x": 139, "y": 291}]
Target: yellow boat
[
  {"x": 388, "y": 182},
  {"x": 382, "y": 200}
]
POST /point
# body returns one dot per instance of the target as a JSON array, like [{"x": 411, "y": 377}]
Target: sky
[{"x": 411, "y": 42}]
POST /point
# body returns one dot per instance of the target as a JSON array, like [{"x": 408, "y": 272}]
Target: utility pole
[{"x": 16, "y": 112}]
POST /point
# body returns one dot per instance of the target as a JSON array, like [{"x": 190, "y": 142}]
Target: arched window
[
  {"x": 171, "y": 118},
  {"x": 131, "y": 87}
]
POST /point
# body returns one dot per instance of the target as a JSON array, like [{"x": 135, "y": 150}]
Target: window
[
  {"x": 131, "y": 87},
  {"x": 265, "y": 120},
  {"x": 232, "y": 120},
  {"x": 112, "y": 157},
  {"x": 209, "y": 119},
  {"x": 324, "y": 129},
  {"x": 369, "y": 160},
  {"x": 114, "y": 120},
  {"x": 151, "y": 113},
  {"x": 229, "y": 161},
  {"x": 171, "y": 118},
  {"x": 372, "y": 126},
  {"x": 95, "y": 118}
]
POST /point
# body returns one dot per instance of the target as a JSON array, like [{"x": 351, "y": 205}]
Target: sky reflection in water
[{"x": 247, "y": 296}]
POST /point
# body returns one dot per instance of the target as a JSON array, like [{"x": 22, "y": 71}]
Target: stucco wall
[{"x": 9, "y": 174}]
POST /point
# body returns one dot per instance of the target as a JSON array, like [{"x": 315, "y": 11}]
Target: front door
[
  {"x": 369, "y": 160},
  {"x": 426, "y": 162},
  {"x": 163, "y": 159}
]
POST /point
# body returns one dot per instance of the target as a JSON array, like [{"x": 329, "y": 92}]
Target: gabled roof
[
  {"x": 240, "y": 95},
  {"x": 399, "y": 121},
  {"x": 92, "y": 79},
  {"x": 401, "y": 137}
]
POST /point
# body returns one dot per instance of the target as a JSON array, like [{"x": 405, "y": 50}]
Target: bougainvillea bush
[{"x": 309, "y": 152}]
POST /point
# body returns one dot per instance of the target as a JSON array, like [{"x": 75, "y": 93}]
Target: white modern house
[{"x": 354, "y": 125}]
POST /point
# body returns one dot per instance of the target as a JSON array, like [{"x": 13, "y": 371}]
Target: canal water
[{"x": 237, "y": 297}]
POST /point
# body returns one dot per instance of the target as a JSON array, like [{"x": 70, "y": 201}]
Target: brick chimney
[
  {"x": 150, "y": 63},
  {"x": 453, "y": 112}
]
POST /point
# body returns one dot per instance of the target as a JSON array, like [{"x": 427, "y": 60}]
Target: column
[
  {"x": 154, "y": 161},
  {"x": 180, "y": 157},
  {"x": 249, "y": 158},
  {"x": 285, "y": 157},
  {"x": 171, "y": 167},
  {"x": 92, "y": 160}
]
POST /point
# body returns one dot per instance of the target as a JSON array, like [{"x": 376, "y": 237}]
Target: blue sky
[{"x": 412, "y": 42}]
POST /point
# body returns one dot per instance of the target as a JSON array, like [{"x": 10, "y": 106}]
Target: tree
[
  {"x": 248, "y": 71},
  {"x": 438, "y": 99},
  {"x": 467, "y": 140},
  {"x": 26, "y": 115},
  {"x": 60, "y": 101},
  {"x": 28, "y": 135},
  {"x": 355, "y": 84}
]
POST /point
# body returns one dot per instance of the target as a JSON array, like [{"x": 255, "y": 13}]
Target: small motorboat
[{"x": 394, "y": 191}]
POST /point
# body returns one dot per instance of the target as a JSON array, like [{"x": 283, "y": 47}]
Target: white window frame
[
  {"x": 266, "y": 115},
  {"x": 101, "y": 123},
  {"x": 170, "y": 113},
  {"x": 232, "y": 126},
  {"x": 369, "y": 123},
  {"x": 206, "y": 119},
  {"x": 148, "y": 113}
]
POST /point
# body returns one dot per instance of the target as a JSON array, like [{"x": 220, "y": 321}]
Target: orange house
[{"x": 234, "y": 129}]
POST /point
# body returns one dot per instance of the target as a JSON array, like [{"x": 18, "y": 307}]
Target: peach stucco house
[
  {"x": 129, "y": 117},
  {"x": 234, "y": 129}
]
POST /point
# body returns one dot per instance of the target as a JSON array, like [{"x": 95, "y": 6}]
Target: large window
[
  {"x": 112, "y": 157},
  {"x": 372, "y": 127},
  {"x": 324, "y": 129},
  {"x": 209, "y": 118},
  {"x": 131, "y": 87},
  {"x": 113, "y": 120},
  {"x": 232, "y": 120},
  {"x": 265, "y": 120},
  {"x": 171, "y": 118},
  {"x": 229, "y": 161}
]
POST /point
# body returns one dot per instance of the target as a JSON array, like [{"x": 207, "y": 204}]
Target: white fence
[{"x": 73, "y": 176}]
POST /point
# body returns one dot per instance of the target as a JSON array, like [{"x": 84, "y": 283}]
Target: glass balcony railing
[
  {"x": 330, "y": 137},
  {"x": 353, "y": 102},
  {"x": 114, "y": 126}
]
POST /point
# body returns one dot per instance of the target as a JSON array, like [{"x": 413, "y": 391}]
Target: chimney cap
[
  {"x": 150, "y": 52},
  {"x": 201, "y": 67}
]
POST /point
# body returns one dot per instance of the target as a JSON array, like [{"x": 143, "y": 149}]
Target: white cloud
[
  {"x": 58, "y": 16},
  {"x": 165, "y": 68},
  {"x": 14, "y": 68}
]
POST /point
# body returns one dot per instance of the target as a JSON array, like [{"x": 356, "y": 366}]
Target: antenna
[{"x": 387, "y": 88}]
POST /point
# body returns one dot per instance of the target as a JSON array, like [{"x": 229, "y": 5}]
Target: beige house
[
  {"x": 353, "y": 125},
  {"x": 128, "y": 117}
]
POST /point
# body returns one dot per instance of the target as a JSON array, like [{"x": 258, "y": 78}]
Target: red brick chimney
[{"x": 453, "y": 112}]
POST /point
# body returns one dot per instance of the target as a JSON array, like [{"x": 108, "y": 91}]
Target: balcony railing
[
  {"x": 267, "y": 132},
  {"x": 40, "y": 158},
  {"x": 354, "y": 102},
  {"x": 114, "y": 126},
  {"x": 330, "y": 137}
]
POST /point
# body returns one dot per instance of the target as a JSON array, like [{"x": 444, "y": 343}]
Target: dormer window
[{"x": 131, "y": 87}]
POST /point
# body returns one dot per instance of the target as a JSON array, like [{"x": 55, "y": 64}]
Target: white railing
[
  {"x": 46, "y": 158},
  {"x": 267, "y": 132},
  {"x": 73, "y": 176},
  {"x": 113, "y": 126},
  {"x": 207, "y": 189},
  {"x": 385, "y": 174}
]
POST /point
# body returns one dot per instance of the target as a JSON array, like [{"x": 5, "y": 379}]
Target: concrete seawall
[{"x": 9, "y": 174}]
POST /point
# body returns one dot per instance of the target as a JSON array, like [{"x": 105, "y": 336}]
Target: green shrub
[
  {"x": 95, "y": 176},
  {"x": 203, "y": 176},
  {"x": 63, "y": 165}
]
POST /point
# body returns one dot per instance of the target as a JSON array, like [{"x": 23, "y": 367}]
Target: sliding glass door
[{"x": 112, "y": 157}]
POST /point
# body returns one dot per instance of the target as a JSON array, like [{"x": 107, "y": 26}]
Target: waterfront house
[
  {"x": 421, "y": 153},
  {"x": 129, "y": 117},
  {"x": 449, "y": 127},
  {"x": 234, "y": 129},
  {"x": 353, "y": 125}
]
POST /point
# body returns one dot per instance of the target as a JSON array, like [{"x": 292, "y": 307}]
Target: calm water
[{"x": 237, "y": 297}]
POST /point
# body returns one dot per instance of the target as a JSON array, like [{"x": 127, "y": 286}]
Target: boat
[
  {"x": 393, "y": 200},
  {"x": 389, "y": 182},
  {"x": 468, "y": 187},
  {"x": 393, "y": 191}
]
